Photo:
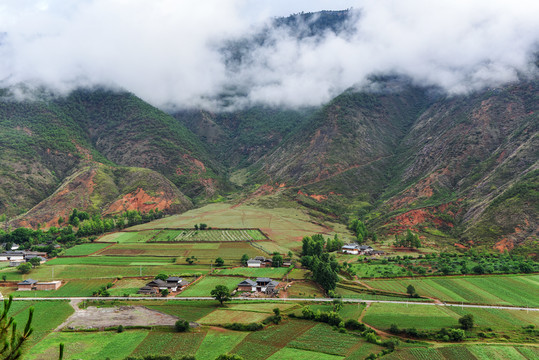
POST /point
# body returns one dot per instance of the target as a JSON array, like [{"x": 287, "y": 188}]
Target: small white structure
[
  {"x": 254, "y": 263},
  {"x": 350, "y": 249}
]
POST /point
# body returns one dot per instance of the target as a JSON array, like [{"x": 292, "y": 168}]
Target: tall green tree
[
  {"x": 10, "y": 337},
  {"x": 221, "y": 293}
]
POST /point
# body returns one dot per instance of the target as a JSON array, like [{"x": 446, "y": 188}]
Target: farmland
[
  {"x": 226, "y": 316},
  {"x": 502, "y": 290},
  {"x": 212, "y": 235},
  {"x": 468, "y": 352},
  {"x": 70, "y": 288},
  {"x": 85, "y": 249},
  {"x": 274, "y": 273},
  {"x": 204, "y": 286}
]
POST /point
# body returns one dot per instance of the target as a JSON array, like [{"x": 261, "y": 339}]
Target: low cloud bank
[{"x": 170, "y": 52}]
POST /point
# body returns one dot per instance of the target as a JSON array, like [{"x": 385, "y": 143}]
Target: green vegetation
[
  {"x": 274, "y": 273},
  {"x": 211, "y": 235},
  {"x": 84, "y": 249},
  {"x": 204, "y": 286},
  {"x": 70, "y": 288}
]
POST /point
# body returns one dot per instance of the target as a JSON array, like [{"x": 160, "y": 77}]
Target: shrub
[
  {"x": 353, "y": 324},
  {"x": 121, "y": 329},
  {"x": 181, "y": 325}
]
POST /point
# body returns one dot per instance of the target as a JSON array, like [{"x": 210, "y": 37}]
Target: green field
[
  {"x": 274, "y": 273},
  {"x": 113, "y": 260},
  {"x": 204, "y": 286},
  {"x": 85, "y": 249},
  {"x": 127, "y": 287},
  {"x": 205, "y": 253},
  {"x": 90, "y": 345},
  {"x": 294, "y": 354},
  {"x": 467, "y": 352},
  {"x": 427, "y": 317},
  {"x": 129, "y": 236},
  {"x": 170, "y": 343},
  {"x": 187, "y": 310},
  {"x": 304, "y": 289},
  {"x": 518, "y": 290},
  {"x": 225, "y": 316},
  {"x": 69, "y": 288},
  {"x": 213, "y": 235},
  {"x": 218, "y": 342}
]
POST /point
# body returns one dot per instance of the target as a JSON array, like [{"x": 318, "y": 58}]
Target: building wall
[
  {"x": 48, "y": 286},
  {"x": 24, "y": 287}
]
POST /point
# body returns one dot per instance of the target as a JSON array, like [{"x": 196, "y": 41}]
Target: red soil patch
[
  {"x": 504, "y": 244},
  {"x": 314, "y": 196},
  {"x": 460, "y": 246},
  {"x": 139, "y": 200}
]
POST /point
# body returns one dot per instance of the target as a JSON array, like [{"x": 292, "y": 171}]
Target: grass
[
  {"x": 274, "y": 273},
  {"x": 84, "y": 249},
  {"x": 127, "y": 287},
  {"x": 90, "y": 345},
  {"x": 70, "y": 288},
  {"x": 348, "y": 311},
  {"x": 204, "y": 286},
  {"x": 225, "y": 316},
  {"x": 466, "y": 352},
  {"x": 503, "y": 290},
  {"x": 262, "y": 306},
  {"x": 299, "y": 274},
  {"x": 217, "y": 342}
]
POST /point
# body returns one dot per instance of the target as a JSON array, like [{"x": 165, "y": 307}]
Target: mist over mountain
[
  {"x": 216, "y": 55},
  {"x": 409, "y": 116}
]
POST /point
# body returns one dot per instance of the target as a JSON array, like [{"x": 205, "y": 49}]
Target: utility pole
[{"x": 140, "y": 270}]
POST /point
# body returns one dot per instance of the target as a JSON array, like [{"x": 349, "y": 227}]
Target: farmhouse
[
  {"x": 262, "y": 285},
  {"x": 147, "y": 290},
  {"x": 259, "y": 261},
  {"x": 31, "y": 284},
  {"x": 172, "y": 284},
  {"x": 356, "y": 249},
  {"x": 22, "y": 255}
]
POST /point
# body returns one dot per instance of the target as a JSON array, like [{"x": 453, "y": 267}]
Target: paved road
[{"x": 407, "y": 303}]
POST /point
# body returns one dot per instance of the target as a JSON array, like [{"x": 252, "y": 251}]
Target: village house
[
  {"x": 262, "y": 285},
  {"x": 259, "y": 262},
  {"x": 31, "y": 284},
  {"x": 172, "y": 284},
  {"x": 22, "y": 256},
  {"x": 356, "y": 249}
]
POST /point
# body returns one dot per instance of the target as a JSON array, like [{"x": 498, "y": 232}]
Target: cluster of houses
[
  {"x": 356, "y": 249},
  {"x": 262, "y": 285},
  {"x": 172, "y": 284},
  {"x": 262, "y": 262},
  {"x": 18, "y": 257},
  {"x": 31, "y": 284}
]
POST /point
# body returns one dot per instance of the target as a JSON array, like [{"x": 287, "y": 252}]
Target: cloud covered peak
[{"x": 178, "y": 53}]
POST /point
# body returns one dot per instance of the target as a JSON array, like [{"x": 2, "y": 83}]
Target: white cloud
[{"x": 166, "y": 51}]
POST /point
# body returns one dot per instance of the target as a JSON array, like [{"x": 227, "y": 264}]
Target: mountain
[{"x": 50, "y": 143}]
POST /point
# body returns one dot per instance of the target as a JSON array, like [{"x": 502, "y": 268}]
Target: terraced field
[
  {"x": 467, "y": 352},
  {"x": 85, "y": 249},
  {"x": 518, "y": 290},
  {"x": 204, "y": 286}
]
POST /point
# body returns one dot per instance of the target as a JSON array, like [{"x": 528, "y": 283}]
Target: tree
[
  {"x": 203, "y": 226},
  {"x": 161, "y": 276},
  {"x": 191, "y": 260},
  {"x": 4, "y": 277},
  {"x": 36, "y": 261},
  {"x": 466, "y": 322},
  {"x": 410, "y": 290},
  {"x": 10, "y": 337},
  {"x": 24, "y": 268},
  {"x": 181, "y": 325},
  {"x": 277, "y": 260},
  {"x": 165, "y": 292},
  {"x": 244, "y": 259},
  {"x": 221, "y": 293},
  {"x": 337, "y": 305},
  {"x": 219, "y": 261}
]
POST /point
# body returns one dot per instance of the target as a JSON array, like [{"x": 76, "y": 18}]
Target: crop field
[
  {"x": 467, "y": 352},
  {"x": 48, "y": 315},
  {"x": 113, "y": 260},
  {"x": 170, "y": 343},
  {"x": 286, "y": 226},
  {"x": 262, "y": 307},
  {"x": 90, "y": 345},
  {"x": 435, "y": 317},
  {"x": 78, "y": 271},
  {"x": 304, "y": 289},
  {"x": 129, "y": 236},
  {"x": 348, "y": 311},
  {"x": 71, "y": 288},
  {"x": 204, "y": 286},
  {"x": 224, "y": 316},
  {"x": 299, "y": 274},
  {"x": 504, "y": 290},
  {"x": 85, "y": 249},
  {"x": 389, "y": 270},
  {"x": 187, "y": 310},
  {"x": 231, "y": 252},
  {"x": 272, "y": 338},
  {"x": 322, "y": 338},
  {"x": 274, "y": 273},
  {"x": 127, "y": 287},
  {"x": 212, "y": 235},
  {"x": 218, "y": 342},
  {"x": 294, "y": 354}
]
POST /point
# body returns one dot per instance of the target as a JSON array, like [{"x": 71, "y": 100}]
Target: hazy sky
[{"x": 167, "y": 51}]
